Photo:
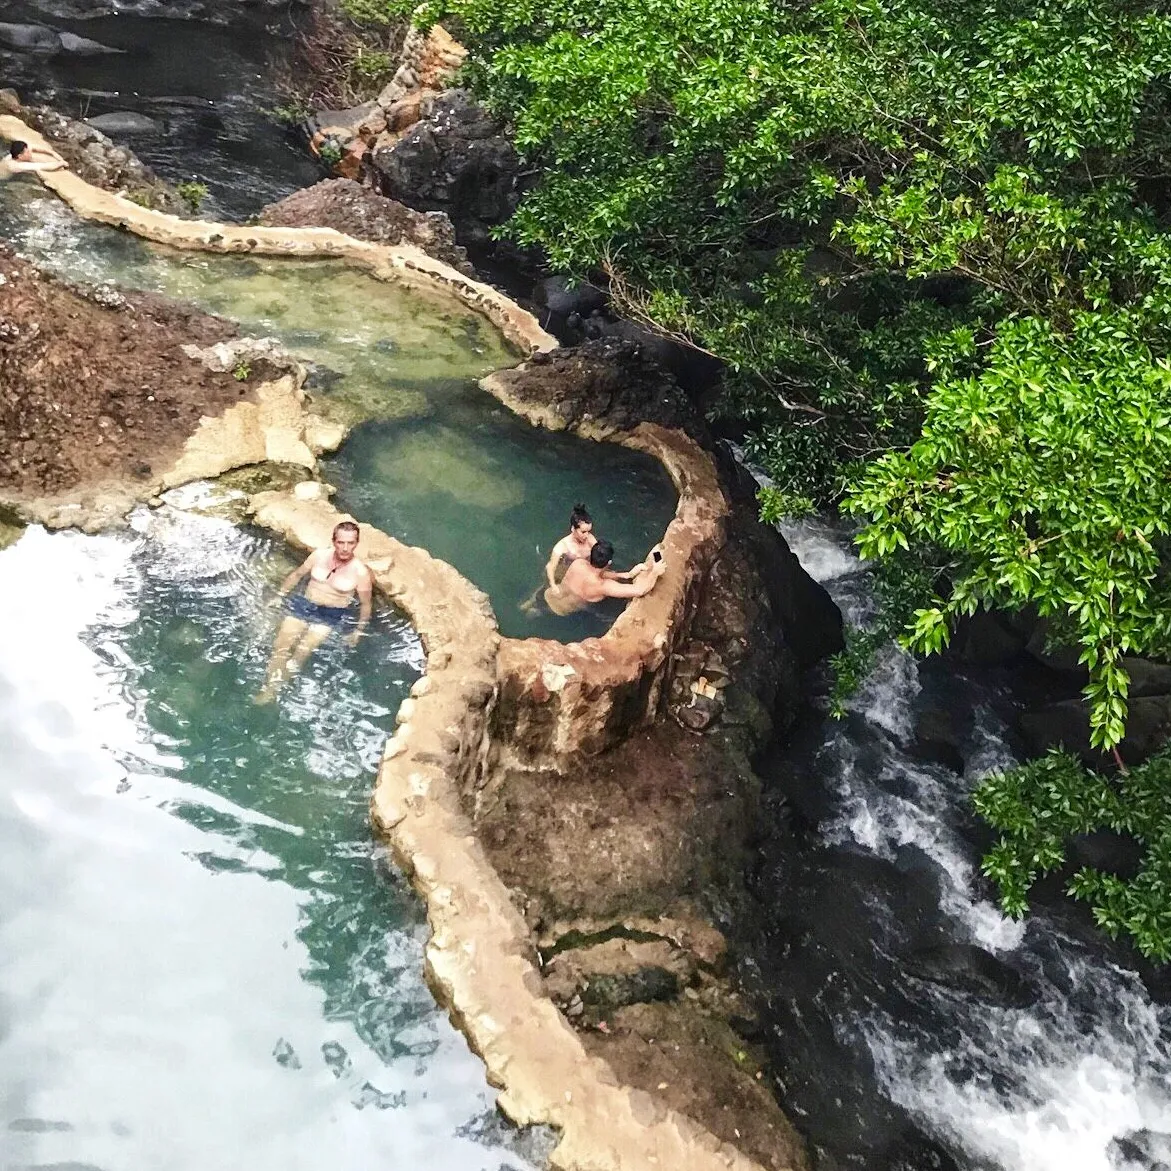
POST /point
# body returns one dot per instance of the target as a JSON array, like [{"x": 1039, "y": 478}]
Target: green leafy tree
[{"x": 926, "y": 238}]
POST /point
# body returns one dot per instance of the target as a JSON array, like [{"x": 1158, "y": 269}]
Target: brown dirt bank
[{"x": 94, "y": 385}]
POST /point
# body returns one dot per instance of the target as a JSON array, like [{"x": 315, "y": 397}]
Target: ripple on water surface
[{"x": 205, "y": 961}]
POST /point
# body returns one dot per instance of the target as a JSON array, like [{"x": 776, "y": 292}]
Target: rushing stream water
[
  {"x": 911, "y": 1024},
  {"x": 205, "y": 961},
  {"x": 207, "y": 89}
]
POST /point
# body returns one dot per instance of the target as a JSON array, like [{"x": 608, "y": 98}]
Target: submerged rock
[
  {"x": 29, "y": 38},
  {"x": 973, "y": 971},
  {"x": 125, "y": 122}
]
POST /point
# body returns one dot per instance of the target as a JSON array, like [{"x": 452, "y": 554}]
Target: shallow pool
[
  {"x": 205, "y": 960},
  {"x": 439, "y": 463}
]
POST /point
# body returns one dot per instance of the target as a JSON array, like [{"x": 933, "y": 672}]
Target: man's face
[
  {"x": 344, "y": 544},
  {"x": 25, "y": 156},
  {"x": 582, "y": 529}
]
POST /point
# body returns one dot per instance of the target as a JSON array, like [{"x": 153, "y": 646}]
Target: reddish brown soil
[{"x": 90, "y": 393}]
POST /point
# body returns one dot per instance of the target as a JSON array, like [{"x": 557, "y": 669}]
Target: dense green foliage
[
  {"x": 929, "y": 240},
  {"x": 1039, "y": 806},
  {"x": 886, "y": 216}
]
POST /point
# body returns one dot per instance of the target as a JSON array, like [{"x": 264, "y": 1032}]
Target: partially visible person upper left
[{"x": 23, "y": 159}]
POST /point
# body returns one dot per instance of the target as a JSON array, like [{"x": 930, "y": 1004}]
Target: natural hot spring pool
[
  {"x": 205, "y": 960},
  {"x": 439, "y": 463},
  {"x": 476, "y": 486}
]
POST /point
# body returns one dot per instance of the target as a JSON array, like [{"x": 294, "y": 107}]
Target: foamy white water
[
  {"x": 1052, "y": 1086},
  {"x": 154, "y": 1009}
]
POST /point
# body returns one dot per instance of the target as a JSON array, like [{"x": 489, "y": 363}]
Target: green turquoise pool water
[
  {"x": 205, "y": 959},
  {"x": 440, "y": 463},
  {"x": 477, "y": 488}
]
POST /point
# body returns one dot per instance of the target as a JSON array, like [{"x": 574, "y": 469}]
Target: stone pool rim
[{"x": 454, "y": 728}]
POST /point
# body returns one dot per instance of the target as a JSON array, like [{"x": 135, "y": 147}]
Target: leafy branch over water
[{"x": 1039, "y": 806}]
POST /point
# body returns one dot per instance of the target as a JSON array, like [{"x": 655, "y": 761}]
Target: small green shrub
[
  {"x": 142, "y": 197},
  {"x": 330, "y": 153},
  {"x": 193, "y": 194},
  {"x": 292, "y": 112},
  {"x": 370, "y": 68},
  {"x": 242, "y": 372}
]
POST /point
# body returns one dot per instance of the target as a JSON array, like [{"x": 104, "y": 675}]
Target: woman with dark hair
[
  {"x": 335, "y": 576},
  {"x": 576, "y": 544},
  {"x": 21, "y": 160}
]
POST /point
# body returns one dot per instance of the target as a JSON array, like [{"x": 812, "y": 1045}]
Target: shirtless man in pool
[
  {"x": 21, "y": 159},
  {"x": 335, "y": 576},
  {"x": 590, "y": 579}
]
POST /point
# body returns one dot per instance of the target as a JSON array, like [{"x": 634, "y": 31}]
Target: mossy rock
[
  {"x": 616, "y": 990},
  {"x": 265, "y": 477}
]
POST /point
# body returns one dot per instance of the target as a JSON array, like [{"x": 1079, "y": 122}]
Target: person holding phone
[{"x": 590, "y": 579}]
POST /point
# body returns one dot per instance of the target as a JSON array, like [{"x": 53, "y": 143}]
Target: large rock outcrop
[
  {"x": 456, "y": 159},
  {"x": 347, "y": 206}
]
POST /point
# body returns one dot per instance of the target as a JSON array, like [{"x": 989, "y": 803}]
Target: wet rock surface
[
  {"x": 348, "y": 207},
  {"x": 456, "y": 159},
  {"x": 95, "y": 384},
  {"x": 611, "y": 384}
]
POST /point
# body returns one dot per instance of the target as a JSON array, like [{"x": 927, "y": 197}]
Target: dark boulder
[
  {"x": 610, "y": 380},
  {"x": 1105, "y": 850},
  {"x": 937, "y": 740},
  {"x": 1067, "y": 725},
  {"x": 989, "y": 639},
  {"x": 125, "y": 122},
  {"x": 971, "y": 970},
  {"x": 83, "y": 47},
  {"x": 456, "y": 159}
]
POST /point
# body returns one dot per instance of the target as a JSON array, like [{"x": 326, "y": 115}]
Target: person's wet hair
[
  {"x": 601, "y": 554},
  {"x": 580, "y": 516},
  {"x": 346, "y": 526},
  {"x": 17, "y": 149}
]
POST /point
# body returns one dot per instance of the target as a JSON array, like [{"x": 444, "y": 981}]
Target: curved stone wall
[
  {"x": 482, "y": 698},
  {"x": 558, "y": 699},
  {"x": 401, "y": 263}
]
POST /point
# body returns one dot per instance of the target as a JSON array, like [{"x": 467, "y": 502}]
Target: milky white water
[{"x": 205, "y": 962}]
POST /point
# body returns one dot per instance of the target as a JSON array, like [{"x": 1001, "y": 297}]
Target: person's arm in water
[
  {"x": 365, "y": 594},
  {"x": 554, "y": 559},
  {"x": 297, "y": 574}
]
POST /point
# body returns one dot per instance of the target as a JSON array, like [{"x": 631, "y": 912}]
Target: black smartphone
[{"x": 656, "y": 555}]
